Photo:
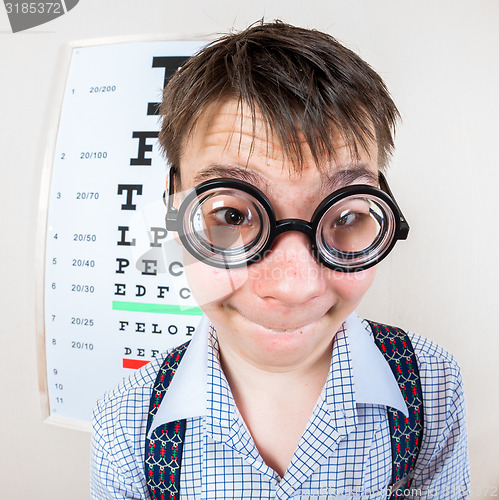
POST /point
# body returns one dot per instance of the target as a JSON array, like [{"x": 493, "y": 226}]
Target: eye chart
[{"x": 114, "y": 287}]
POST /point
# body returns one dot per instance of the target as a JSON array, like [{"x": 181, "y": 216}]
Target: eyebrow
[
  {"x": 348, "y": 175},
  {"x": 345, "y": 176},
  {"x": 215, "y": 171}
]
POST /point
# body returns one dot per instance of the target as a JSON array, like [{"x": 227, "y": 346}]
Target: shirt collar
[
  {"x": 373, "y": 378},
  {"x": 187, "y": 394}
]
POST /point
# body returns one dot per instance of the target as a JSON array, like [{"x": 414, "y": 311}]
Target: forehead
[{"x": 228, "y": 136}]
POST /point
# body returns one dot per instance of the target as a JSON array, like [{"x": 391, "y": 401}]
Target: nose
[{"x": 289, "y": 273}]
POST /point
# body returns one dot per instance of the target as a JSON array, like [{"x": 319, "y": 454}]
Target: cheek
[
  {"x": 211, "y": 285},
  {"x": 352, "y": 286}
]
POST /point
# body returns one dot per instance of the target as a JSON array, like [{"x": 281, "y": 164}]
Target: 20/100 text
[{"x": 93, "y": 155}]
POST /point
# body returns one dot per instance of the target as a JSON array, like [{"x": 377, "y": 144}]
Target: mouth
[{"x": 279, "y": 329}]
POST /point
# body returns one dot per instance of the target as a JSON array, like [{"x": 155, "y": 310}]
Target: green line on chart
[{"x": 156, "y": 308}]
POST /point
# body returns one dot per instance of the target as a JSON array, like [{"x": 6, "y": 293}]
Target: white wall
[{"x": 440, "y": 61}]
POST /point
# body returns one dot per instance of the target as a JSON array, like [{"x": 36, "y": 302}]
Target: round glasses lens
[
  {"x": 226, "y": 226},
  {"x": 355, "y": 231}
]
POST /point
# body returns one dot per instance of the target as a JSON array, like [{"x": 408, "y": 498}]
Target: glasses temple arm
[
  {"x": 404, "y": 226},
  {"x": 171, "y": 211}
]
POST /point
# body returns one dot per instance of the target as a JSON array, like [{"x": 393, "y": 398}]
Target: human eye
[
  {"x": 352, "y": 215},
  {"x": 228, "y": 221},
  {"x": 228, "y": 211},
  {"x": 349, "y": 225},
  {"x": 229, "y": 216},
  {"x": 348, "y": 220}
]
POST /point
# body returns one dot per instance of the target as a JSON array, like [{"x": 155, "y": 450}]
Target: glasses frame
[{"x": 174, "y": 218}]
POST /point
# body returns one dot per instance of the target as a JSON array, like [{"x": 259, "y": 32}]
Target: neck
[
  {"x": 276, "y": 402},
  {"x": 248, "y": 379}
]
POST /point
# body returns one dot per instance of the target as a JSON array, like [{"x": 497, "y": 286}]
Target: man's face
[{"x": 287, "y": 307}]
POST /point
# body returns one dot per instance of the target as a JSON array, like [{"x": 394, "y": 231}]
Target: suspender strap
[
  {"x": 163, "y": 453},
  {"x": 406, "y": 433}
]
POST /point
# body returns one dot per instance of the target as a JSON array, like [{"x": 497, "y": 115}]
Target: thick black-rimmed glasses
[{"x": 229, "y": 223}]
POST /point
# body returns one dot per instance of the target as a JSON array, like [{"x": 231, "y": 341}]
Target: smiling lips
[{"x": 280, "y": 329}]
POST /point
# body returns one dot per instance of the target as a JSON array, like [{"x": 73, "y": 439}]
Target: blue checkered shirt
[{"x": 344, "y": 452}]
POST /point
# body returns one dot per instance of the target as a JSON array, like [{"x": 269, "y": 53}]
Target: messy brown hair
[{"x": 302, "y": 81}]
